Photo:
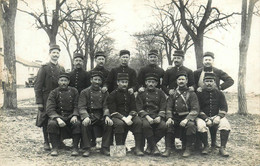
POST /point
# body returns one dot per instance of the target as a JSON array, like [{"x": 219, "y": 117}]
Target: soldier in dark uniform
[
  {"x": 208, "y": 59},
  {"x": 62, "y": 108},
  {"x": 122, "y": 108},
  {"x": 169, "y": 83},
  {"x": 213, "y": 108},
  {"x": 151, "y": 106},
  {"x": 181, "y": 112},
  {"x": 111, "y": 81},
  {"x": 151, "y": 68},
  {"x": 79, "y": 78},
  {"x": 46, "y": 81},
  {"x": 95, "y": 115},
  {"x": 100, "y": 59}
]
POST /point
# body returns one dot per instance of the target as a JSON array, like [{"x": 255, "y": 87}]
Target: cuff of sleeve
[
  {"x": 162, "y": 114},
  {"x": 143, "y": 113},
  {"x": 222, "y": 114},
  {"x": 117, "y": 115},
  {"x": 133, "y": 113},
  {"x": 106, "y": 112}
]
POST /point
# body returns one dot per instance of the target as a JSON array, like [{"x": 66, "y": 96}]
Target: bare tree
[
  {"x": 199, "y": 23},
  {"x": 246, "y": 21},
  {"x": 7, "y": 21}
]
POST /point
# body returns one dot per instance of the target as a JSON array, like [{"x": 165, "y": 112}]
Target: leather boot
[
  {"x": 75, "y": 142},
  {"x": 148, "y": 149},
  {"x": 138, "y": 144},
  {"x": 155, "y": 150},
  {"x": 213, "y": 136},
  {"x": 224, "y": 134},
  {"x": 204, "y": 139},
  {"x": 86, "y": 152},
  {"x": 189, "y": 140},
  {"x": 105, "y": 151},
  {"x": 119, "y": 138},
  {"x": 168, "y": 145},
  {"x": 46, "y": 144},
  {"x": 55, "y": 143}
]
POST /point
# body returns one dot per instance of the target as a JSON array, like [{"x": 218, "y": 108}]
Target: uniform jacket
[
  {"x": 91, "y": 101},
  {"x": 46, "y": 81},
  {"x": 152, "y": 103},
  {"x": 150, "y": 69},
  {"x": 220, "y": 75},
  {"x": 103, "y": 70},
  {"x": 170, "y": 78},
  {"x": 121, "y": 103},
  {"x": 212, "y": 103},
  {"x": 183, "y": 103},
  {"x": 63, "y": 103},
  {"x": 111, "y": 81},
  {"x": 80, "y": 79}
]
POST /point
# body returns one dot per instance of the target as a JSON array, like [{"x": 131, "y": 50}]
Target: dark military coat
[
  {"x": 212, "y": 103},
  {"x": 152, "y": 103},
  {"x": 121, "y": 103},
  {"x": 46, "y": 81},
  {"x": 170, "y": 78},
  {"x": 150, "y": 69},
  {"x": 111, "y": 81},
  {"x": 63, "y": 103},
  {"x": 80, "y": 79},
  {"x": 183, "y": 103},
  {"x": 220, "y": 75}
]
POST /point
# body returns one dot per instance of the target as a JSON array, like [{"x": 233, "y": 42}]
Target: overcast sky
[{"x": 132, "y": 16}]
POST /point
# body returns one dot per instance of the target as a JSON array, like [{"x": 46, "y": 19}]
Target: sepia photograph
[{"x": 129, "y": 82}]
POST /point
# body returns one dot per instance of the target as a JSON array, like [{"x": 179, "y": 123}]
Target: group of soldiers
[{"x": 179, "y": 104}]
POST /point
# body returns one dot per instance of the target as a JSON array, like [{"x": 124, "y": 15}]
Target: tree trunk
[
  {"x": 52, "y": 38},
  {"x": 10, "y": 93},
  {"x": 198, "y": 46}
]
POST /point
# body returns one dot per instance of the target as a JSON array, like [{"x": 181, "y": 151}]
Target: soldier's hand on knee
[
  {"x": 40, "y": 107},
  {"x": 208, "y": 122},
  {"x": 149, "y": 119},
  {"x": 169, "y": 122},
  {"x": 171, "y": 92},
  {"x": 183, "y": 122},
  {"x": 86, "y": 121},
  {"x": 141, "y": 89},
  {"x": 191, "y": 88},
  {"x": 128, "y": 121},
  {"x": 216, "y": 120},
  {"x": 108, "y": 121},
  {"x": 61, "y": 123},
  {"x": 74, "y": 119},
  {"x": 199, "y": 89},
  {"x": 157, "y": 120},
  {"x": 104, "y": 89},
  {"x": 131, "y": 90}
]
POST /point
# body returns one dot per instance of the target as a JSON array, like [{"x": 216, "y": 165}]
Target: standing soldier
[
  {"x": 169, "y": 83},
  {"x": 208, "y": 59},
  {"x": 95, "y": 115},
  {"x": 111, "y": 81},
  {"x": 46, "y": 81},
  {"x": 213, "y": 106},
  {"x": 122, "y": 107},
  {"x": 151, "y": 106},
  {"x": 79, "y": 78},
  {"x": 151, "y": 68},
  {"x": 182, "y": 109},
  {"x": 62, "y": 108}
]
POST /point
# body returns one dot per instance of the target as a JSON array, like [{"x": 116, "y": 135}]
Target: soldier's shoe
[
  {"x": 74, "y": 152},
  {"x": 215, "y": 145},
  {"x": 205, "y": 150},
  {"x": 148, "y": 150},
  {"x": 46, "y": 146},
  {"x": 86, "y": 153},
  {"x": 105, "y": 151},
  {"x": 167, "y": 152},
  {"x": 187, "y": 152},
  {"x": 62, "y": 145},
  {"x": 223, "y": 152},
  {"x": 54, "y": 152},
  {"x": 138, "y": 152},
  {"x": 156, "y": 151}
]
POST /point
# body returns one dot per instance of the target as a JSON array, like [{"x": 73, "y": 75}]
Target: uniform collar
[
  {"x": 53, "y": 63},
  {"x": 94, "y": 89}
]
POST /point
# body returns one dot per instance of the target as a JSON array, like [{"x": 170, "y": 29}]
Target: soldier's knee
[
  {"x": 201, "y": 125},
  {"x": 53, "y": 123},
  {"x": 191, "y": 128},
  {"x": 224, "y": 124}
]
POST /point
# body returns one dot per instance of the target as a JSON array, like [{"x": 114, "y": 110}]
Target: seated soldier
[
  {"x": 213, "y": 108},
  {"x": 62, "y": 108},
  {"x": 95, "y": 115},
  {"x": 122, "y": 107},
  {"x": 182, "y": 109},
  {"x": 151, "y": 106}
]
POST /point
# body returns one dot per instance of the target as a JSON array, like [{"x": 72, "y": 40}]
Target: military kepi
[
  {"x": 78, "y": 55},
  {"x": 123, "y": 52},
  {"x": 181, "y": 73},
  {"x": 209, "y": 76},
  {"x": 178, "y": 53},
  {"x": 153, "y": 52},
  {"x": 122, "y": 76},
  {"x": 54, "y": 46},
  {"x": 66, "y": 75},
  {"x": 211, "y": 54},
  {"x": 151, "y": 76},
  {"x": 96, "y": 73},
  {"x": 100, "y": 53}
]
